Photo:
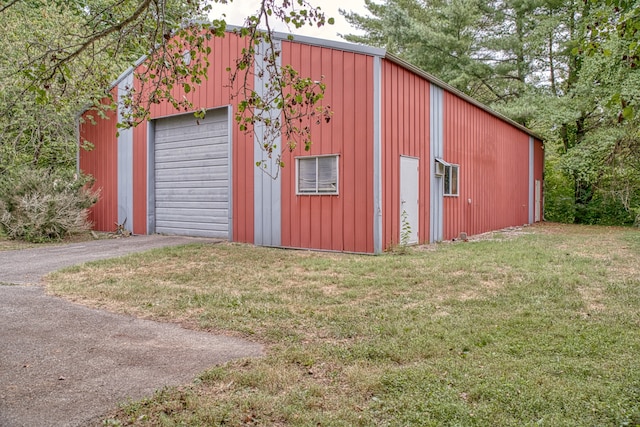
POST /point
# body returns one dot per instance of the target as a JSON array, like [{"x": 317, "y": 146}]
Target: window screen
[
  {"x": 317, "y": 175},
  {"x": 451, "y": 180}
]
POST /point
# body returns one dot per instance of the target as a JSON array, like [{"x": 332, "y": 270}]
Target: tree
[
  {"x": 565, "y": 68},
  {"x": 70, "y": 51},
  {"x": 59, "y": 58}
]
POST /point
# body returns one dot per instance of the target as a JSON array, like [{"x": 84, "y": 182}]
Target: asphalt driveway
[{"x": 63, "y": 364}]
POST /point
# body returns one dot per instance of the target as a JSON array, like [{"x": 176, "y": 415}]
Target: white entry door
[
  {"x": 409, "y": 200},
  {"x": 538, "y": 204}
]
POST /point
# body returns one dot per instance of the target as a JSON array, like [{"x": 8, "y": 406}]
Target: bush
[
  {"x": 559, "y": 200},
  {"x": 39, "y": 205}
]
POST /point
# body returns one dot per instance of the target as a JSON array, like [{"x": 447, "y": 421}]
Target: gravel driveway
[{"x": 63, "y": 364}]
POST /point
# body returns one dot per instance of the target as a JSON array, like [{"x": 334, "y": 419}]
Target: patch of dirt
[
  {"x": 593, "y": 298},
  {"x": 508, "y": 233},
  {"x": 504, "y": 234}
]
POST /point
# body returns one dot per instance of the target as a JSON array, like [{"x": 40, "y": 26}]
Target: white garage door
[{"x": 192, "y": 175}]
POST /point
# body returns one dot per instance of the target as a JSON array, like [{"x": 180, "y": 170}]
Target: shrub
[{"x": 39, "y": 205}]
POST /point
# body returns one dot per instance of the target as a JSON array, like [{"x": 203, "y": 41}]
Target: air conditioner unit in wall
[{"x": 439, "y": 166}]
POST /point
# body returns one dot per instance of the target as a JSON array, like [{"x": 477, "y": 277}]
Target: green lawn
[{"x": 537, "y": 327}]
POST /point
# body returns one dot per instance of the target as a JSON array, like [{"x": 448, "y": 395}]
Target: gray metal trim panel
[
  {"x": 125, "y": 161},
  {"x": 377, "y": 155},
  {"x": 230, "y": 168},
  {"x": 267, "y": 193},
  {"x": 151, "y": 177},
  {"x": 436, "y": 151}
]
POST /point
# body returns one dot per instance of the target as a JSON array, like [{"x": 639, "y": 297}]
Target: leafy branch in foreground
[
  {"x": 289, "y": 103},
  {"x": 285, "y": 107},
  {"x": 80, "y": 46}
]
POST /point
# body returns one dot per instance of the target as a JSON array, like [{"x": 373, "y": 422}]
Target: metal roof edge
[
  {"x": 333, "y": 44},
  {"x": 346, "y": 46},
  {"x": 363, "y": 49},
  {"x": 128, "y": 71},
  {"x": 314, "y": 41},
  {"x": 436, "y": 81},
  {"x": 117, "y": 81}
]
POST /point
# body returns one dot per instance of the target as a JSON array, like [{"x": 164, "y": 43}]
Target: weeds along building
[{"x": 404, "y": 157}]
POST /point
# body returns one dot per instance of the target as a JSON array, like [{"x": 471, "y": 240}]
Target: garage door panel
[
  {"x": 195, "y": 133},
  {"x": 194, "y": 215},
  {"x": 187, "y": 123},
  {"x": 169, "y": 141},
  {"x": 190, "y": 164},
  {"x": 208, "y": 226},
  {"x": 195, "y": 188},
  {"x": 201, "y": 152},
  {"x": 193, "y": 205},
  {"x": 202, "y": 140},
  {"x": 192, "y": 194},
  {"x": 196, "y": 231},
  {"x": 192, "y": 175}
]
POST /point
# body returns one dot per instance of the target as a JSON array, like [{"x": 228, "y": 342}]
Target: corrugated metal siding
[
  {"x": 215, "y": 92},
  {"x": 494, "y": 170},
  {"x": 405, "y": 131},
  {"x": 102, "y": 164},
  {"x": 343, "y": 222}
]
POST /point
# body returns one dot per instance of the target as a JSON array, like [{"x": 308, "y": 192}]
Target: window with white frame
[
  {"x": 451, "y": 180},
  {"x": 317, "y": 175}
]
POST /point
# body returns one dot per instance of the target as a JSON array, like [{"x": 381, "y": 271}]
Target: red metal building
[{"x": 404, "y": 157}]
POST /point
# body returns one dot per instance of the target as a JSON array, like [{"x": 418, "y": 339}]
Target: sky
[{"x": 238, "y": 10}]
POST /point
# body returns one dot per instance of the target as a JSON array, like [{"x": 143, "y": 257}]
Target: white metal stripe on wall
[
  {"x": 230, "y": 169},
  {"x": 151, "y": 177},
  {"x": 267, "y": 189},
  {"x": 377, "y": 155},
  {"x": 125, "y": 160},
  {"x": 436, "y": 150},
  {"x": 531, "y": 180}
]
